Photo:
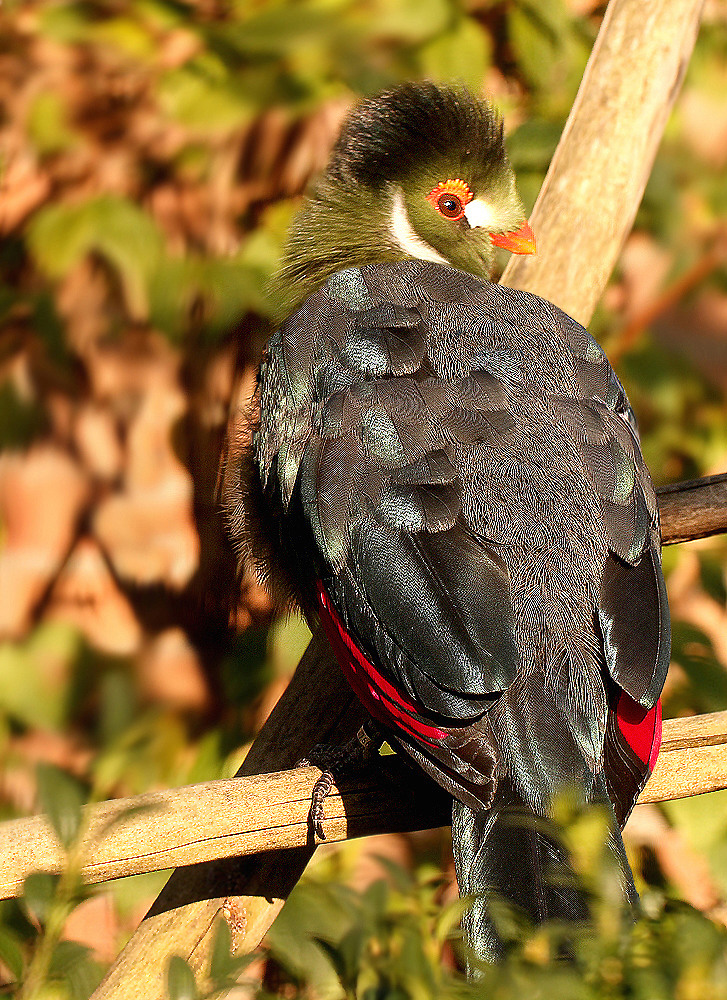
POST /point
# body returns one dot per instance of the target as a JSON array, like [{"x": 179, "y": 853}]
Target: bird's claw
[
  {"x": 321, "y": 790},
  {"x": 353, "y": 755}
]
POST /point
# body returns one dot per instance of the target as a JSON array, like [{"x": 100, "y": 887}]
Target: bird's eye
[
  {"x": 450, "y": 206},
  {"x": 450, "y": 197}
]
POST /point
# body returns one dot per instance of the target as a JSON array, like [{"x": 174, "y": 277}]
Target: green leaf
[
  {"x": 126, "y": 35},
  {"x": 14, "y": 918},
  {"x": 538, "y": 34},
  {"x": 221, "y": 957},
  {"x": 39, "y": 889},
  {"x": 11, "y": 953},
  {"x": 50, "y": 328},
  {"x": 205, "y": 100},
  {"x": 164, "y": 15},
  {"x": 35, "y": 675},
  {"x": 412, "y": 21},
  {"x": 60, "y": 235},
  {"x": 210, "y": 294},
  {"x": 712, "y": 572},
  {"x": 288, "y": 638},
  {"x": 337, "y": 959},
  {"x": 277, "y": 30},
  {"x": 73, "y": 965},
  {"x": 67, "y": 955},
  {"x": 375, "y": 897},
  {"x": 208, "y": 760},
  {"x": 181, "y": 984},
  {"x": 400, "y": 877},
  {"x": 21, "y": 420},
  {"x": 449, "y": 918},
  {"x": 531, "y": 147},
  {"x": 532, "y": 47},
  {"x": 61, "y": 798},
  {"x": 462, "y": 54},
  {"x": 246, "y": 669},
  {"x": 225, "y": 967},
  {"x": 117, "y": 704},
  {"x": 702, "y": 821},
  {"x": 692, "y": 650},
  {"x": 64, "y": 22},
  {"x": 323, "y": 912},
  {"x": 346, "y": 955},
  {"x": 48, "y": 127},
  {"x": 532, "y": 144}
]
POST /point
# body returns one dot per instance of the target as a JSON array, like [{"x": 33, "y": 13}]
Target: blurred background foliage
[{"x": 152, "y": 153}]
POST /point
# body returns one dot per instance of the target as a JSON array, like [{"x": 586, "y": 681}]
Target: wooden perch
[
  {"x": 241, "y": 816},
  {"x": 221, "y": 819},
  {"x": 694, "y": 509},
  {"x": 594, "y": 186}
]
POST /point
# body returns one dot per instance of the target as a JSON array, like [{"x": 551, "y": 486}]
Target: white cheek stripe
[
  {"x": 405, "y": 236},
  {"x": 480, "y": 215}
]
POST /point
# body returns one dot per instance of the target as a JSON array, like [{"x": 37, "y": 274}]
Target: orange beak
[{"x": 521, "y": 241}]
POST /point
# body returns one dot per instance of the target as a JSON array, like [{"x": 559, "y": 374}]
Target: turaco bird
[{"x": 446, "y": 474}]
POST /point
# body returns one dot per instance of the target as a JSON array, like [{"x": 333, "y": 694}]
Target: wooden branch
[
  {"x": 224, "y": 819},
  {"x": 694, "y": 509},
  {"x": 587, "y": 205},
  {"x": 249, "y": 894},
  {"x": 692, "y": 760},
  {"x": 242, "y": 816}
]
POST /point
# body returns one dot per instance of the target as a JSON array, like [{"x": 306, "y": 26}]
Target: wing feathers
[
  {"x": 634, "y": 620},
  {"x": 443, "y": 600}
]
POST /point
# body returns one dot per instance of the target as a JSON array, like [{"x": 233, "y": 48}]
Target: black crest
[{"x": 386, "y": 137}]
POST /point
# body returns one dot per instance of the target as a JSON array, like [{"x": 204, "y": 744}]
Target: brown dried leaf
[
  {"x": 171, "y": 673},
  {"x": 95, "y": 923},
  {"x": 689, "y": 602},
  {"x": 42, "y": 494},
  {"x": 86, "y": 595},
  {"x": 688, "y": 870},
  {"x": 97, "y": 440}
]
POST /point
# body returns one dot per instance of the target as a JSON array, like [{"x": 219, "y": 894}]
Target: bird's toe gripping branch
[{"x": 339, "y": 761}]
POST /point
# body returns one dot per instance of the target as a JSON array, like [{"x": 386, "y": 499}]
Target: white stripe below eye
[
  {"x": 405, "y": 236},
  {"x": 479, "y": 214}
]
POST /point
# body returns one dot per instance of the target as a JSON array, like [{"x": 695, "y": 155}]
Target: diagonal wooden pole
[
  {"x": 587, "y": 205},
  {"x": 608, "y": 145}
]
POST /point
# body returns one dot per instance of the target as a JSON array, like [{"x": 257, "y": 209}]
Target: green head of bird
[{"x": 417, "y": 172}]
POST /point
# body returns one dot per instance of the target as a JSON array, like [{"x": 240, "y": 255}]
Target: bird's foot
[{"x": 341, "y": 760}]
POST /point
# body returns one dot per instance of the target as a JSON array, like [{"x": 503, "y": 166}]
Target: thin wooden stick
[
  {"x": 693, "y": 509},
  {"x": 646, "y": 47},
  {"x": 242, "y": 816},
  {"x": 586, "y": 207}
]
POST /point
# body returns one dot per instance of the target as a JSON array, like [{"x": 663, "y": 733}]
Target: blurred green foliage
[
  {"x": 177, "y": 96},
  {"x": 395, "y": 942},
  {"x": 398, "y": 939}
]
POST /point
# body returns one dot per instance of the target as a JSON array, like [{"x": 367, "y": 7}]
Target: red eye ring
[{"x": 450, "y": 197}]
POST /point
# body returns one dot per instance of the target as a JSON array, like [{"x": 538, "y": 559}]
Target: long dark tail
[{"x": 509, "y": 852}]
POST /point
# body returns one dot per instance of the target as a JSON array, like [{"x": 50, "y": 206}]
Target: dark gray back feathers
[{"x": 460, "y": 464}]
